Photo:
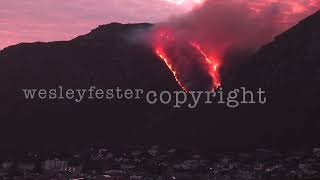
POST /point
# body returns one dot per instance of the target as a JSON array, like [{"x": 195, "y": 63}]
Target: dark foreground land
[{"x": 159, "y": 163}]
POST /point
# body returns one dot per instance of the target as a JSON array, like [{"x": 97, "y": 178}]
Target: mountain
[
  {"x": 289, "y": 70},
  {"x": 107, "y": 57},
  {"x": 111, "y": 55}
]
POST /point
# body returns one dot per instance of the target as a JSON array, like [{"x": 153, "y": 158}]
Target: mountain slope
[
  {"x": 109, "y": 56},
  {"x": 105, "y": 58},
  {"x": 289, "y": 70}
]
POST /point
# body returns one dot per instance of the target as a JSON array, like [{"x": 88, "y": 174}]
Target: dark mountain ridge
[{"x": 288, "y": 68}]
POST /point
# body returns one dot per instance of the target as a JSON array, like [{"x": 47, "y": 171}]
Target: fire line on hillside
[{"x": 165, "y": 40}]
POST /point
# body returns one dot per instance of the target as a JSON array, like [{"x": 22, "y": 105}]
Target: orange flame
[
  {"x": 163, "y": 56},
  {"x": 165, "y": 37},
  {"x": 212, "y": 64}
]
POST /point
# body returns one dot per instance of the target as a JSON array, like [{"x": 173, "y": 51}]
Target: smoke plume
[{"x": 220, "y": 26}]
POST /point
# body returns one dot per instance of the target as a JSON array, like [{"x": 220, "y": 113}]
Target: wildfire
[
  {"x": 165, "y": 43},
  {"x": 212, "y": 63},
  {"x": 165, "y": 59}
]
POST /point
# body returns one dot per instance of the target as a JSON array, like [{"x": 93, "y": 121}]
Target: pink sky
[{"x": 48, "y": 20}]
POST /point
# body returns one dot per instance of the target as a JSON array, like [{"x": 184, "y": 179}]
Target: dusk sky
[{"x": 49, "y": 20}]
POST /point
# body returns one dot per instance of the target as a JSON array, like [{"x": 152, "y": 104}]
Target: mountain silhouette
[
  {"x": 110, "y": 56},
  {"x": 289, "y": 70}
]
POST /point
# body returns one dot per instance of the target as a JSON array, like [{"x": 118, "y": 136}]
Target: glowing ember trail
[
  {"x": 163, "y": 56},
  {"x": 213, "y": 66},
  {"x": 165, "y": 40}
]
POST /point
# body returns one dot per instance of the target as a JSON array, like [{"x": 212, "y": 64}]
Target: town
[{"x": 159, "y": 163}]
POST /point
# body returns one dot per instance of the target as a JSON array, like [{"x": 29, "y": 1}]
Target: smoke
[
  {"x": 243, "y": 24},
  {"x": 218, "y": 27}
]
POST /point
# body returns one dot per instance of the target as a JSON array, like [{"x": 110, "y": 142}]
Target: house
[
  {"x": 316, "y": 152},
  {"x": 55, "y": 164},
  {"x": 103, "y": 177},
  {"x": 26, "y": 166},
  {"x": 7, "y": 164}
]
